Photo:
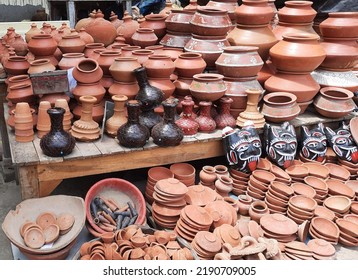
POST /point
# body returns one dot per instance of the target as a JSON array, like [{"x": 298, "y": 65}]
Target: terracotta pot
[
  {"x": 127, "y": 50},
  {"x": 105, "y": 60},
  {"x": 106, "y": 81},
  {"x": 85, "y": 21},
  {"x": 254, "y": 12},
  {"x": 142, "y": 55},
  {"x": 70, "y": 60},
  {"x": 87, "y": 38},
  {"x": 209, "y": 21},
  {"x": 16, "y": 65},
  {"x": 42, "y": 45},
  {"x": 19, "y": 45},
  {"x": 43, "y": 125},
  {"x": 87, "y": 71},
  {"x": 101, "y": 30},
  {"x": 206, "y": 122},
  {"x": 172, "y": 52},
  {"x": 207, "y": 174},
  {"x": 23, "y": 123},
  {"x": 230, "y": 6},
  {"x": 119, "y": 115},
  {"x": 18, "y": 79},
  {"x": 122, "y": 69},
  {"x": 156, "y": 48},
  {"x": 68, "y": 116},
  {"x": 260, "y": 36},
  {"x": 244, "y": 202},
  {"x": 93, "y": 89},
  {"x": 283, "y": 28},
  {"x": 32, "y": 31},
  {"x": 91, "y": 47},
  {"x": 239, "y": 62},
  {"x": 164, "y": 84},
  {"x": 20, "y": 93},
  {"x": 175, "y": 39},
  {"x": 297, "y": 53},
  {"x": 71, "y": 44},
  {"x": 40, "y": 66},
  {"x": 280, "y": 106},
  {"x": 114, "y": 20},
  {"x": 257, "y": 210},
  {"x": 159, "y": 66},
  {"x": 179, "y": 21},
  {"x": 129, "y": 89},
  {"x": 144, "y": 37},
  {"x": 182, "y": 86},
  {"x": 345, "y": 22},
  {"x": 155, "y": 22},
  {"x": 287, "y": 82},
  {"x": 207, "y": 87},
  {"x": 127, "y": 28},
  {"x": 210, "y": 47},
  {"x": 297, "y": 12},
  {"x": 334, "y": 102},
  {"x": 188, "y": 64}
]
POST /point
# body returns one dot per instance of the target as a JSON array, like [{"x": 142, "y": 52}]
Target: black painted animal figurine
[{"x": 313, "y": 143}]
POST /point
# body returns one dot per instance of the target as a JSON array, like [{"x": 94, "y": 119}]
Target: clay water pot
[
  {"x": 297, "y": 12},
  {"x": 70, "y": 60},
  {"x": 71, "y": 44},
  {"x": 40, "y": 66},
  {"x": 106, "y": 59},
  {"x": 207, "y": 174},
  {"x": 129, "y": 89},
  {"x": 244, "y": 202},
  {"x": 87, "y": 71},
  {"x": 21, "y": 92},
  {"x": 179, "y": 21},
  {"x": 91, "y": 47},
  {"x": 283, "y": 28},
  {"x": 188, "y": 64},
  {"x": 224, "y": 118},
  {"x": 32, "y": 31},
  {"x": 207, "y": 87},
  {"x": 87, "y": 38},
  {"x": 230, "y": 6},
  {"x": 122, "y": 69},
  {"x": 159, "y": 66},
  {"x": 89, "y": 89},
  {"x": 101, "y": 30},
  {"x": 254, "y": 12},
  {"x": 142, "y": 55},
  {"x": 155, "y": 22},
  {"x": 144, "y": 37},
  {"x": 257, "y": 210},
  {"x": 16, "y": 65},
  {"x": 340, "y": 25},
  {"x": 42, "y": 45}
]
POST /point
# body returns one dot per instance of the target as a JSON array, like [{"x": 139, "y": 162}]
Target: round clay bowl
[
  {"x": 316, "y": 234},
  {"x": 256, "y": 190},
  {"x": 278, "y": 224},
  {"x": 299, "y": 171},
  {"x": 277, "y": 202},
  {"x": 336, "y": 187},
  {"x": 338, "y": 172},
  {"x": 303, "y": 189},
  {"x": 318, "y": 170},
  {"x": 338, "y": 203},
  {"x": 348, "y": 237},
  {"x": 302, "y": 202},
  {"x": 321, "y": 247},
  {"x": 280, "y": 173},
  {"x": 258, "y": 184},
  {"x": 325, "y": 227},
  {"x": 182, "y": 170},
  {"x": 277, "y": 195},
  {"x": 354, "y": 207},
  {"x": 324, "y": 212},
  {"x": 271, "y": 204},
  {"x": 264, "y": 176},
  {"x": 264, "y": 164},
  {"x": 158, "y": 173},
  {"x": 317, "y": 183},
  {"x": 281, "y": 188},
  {"x": 348, "y": 227},
  {"x": 353, "y": 184},
  {"x": 351, "y": 217}
]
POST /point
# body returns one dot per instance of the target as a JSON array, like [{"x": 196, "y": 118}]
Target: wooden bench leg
[
  {"x": 46, "y": 187},
  {"x": 28, "y": 181}
]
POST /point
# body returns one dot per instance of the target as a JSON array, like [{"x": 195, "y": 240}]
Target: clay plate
[
  {"x": 321, "y": 247},
  {"x": 278, "y": 224}
]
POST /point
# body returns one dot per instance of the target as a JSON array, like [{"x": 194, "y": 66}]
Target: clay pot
[
  {"x": 254, "y": 12},
  {"x": 43, "y": 125},
  {"x": 129, "y": 89},
  {"x": 159, "y": 66},
  {"x": 142, "y": 55},
  {"x": 91, "y": 47},
  {"x": 283, "y": 28},
  {"x": 92, "y": 89},
  {"x": 297, "y": 53},
  {"x": 23, "y": 123},
  {"x": 164, "y": 84},
  {"x": 186, "y": 122},
  {"x": 224, "y": 118},
  {"x": 280, "y": 106},
  {"x": 105, "y": 60},
  {"x": 334, "y": 102},
  {"x": 207, "y": 87},
  {"x": 87, "y": 71},
  {"x": 42, "y": 45},
  {"x": 19, "y": 45},
  {"x": 40, "y": 66},
  {"x": 71, "y": 44},
  {"x": 239, "y": 62},
  {"x": 206, "y": 122},
  {"x": 122, "y": 69},
  {"x": 257, "y": 210},
  {"x": 297, "y": 12},
  {"x": 345, "y": 22},
  {"x": 172, "y": 52},
  {"x": 21, "y": 92},
  {"x": 87, "y": 38},
  {"x": 127, "y": 28},
  {"x": 119, "y": 116},
  {"x": 16, "y": 65},
  {"x": 155, "y": 22},
  {"x": 32, "y": 31},
  {"x": 230, "y": 6},
  {"x": 68, "y": 116},
  {"x": 144, "y": 37},
  {"x": 179, "y": 21},
  {"x": 207, "y": 174},
  {"x": 209, "y": 21},
  {"x": 223, "y": 185},
  {"x": 70, "y": 60},
  {"x": 18, "y": 79},
  {"x": 188, "y": 64}
]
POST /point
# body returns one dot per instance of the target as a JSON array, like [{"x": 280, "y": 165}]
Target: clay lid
[
  {"x": 264, "y": 164},
  {"x": 51, "y": 233},
  {"x": 208, "y": 241},
  {"x": 318, "y": 170},
  {"x": 337, "y": 187},
  {"x": 351, "y": 217},
  {"x": 348, "y": 227},
  {"x": 278, "y": 224},
  {"x": 321, "y": 247},
  {"x": 65, "y": 221},
  {"x": 299, "y": 246},
  {"x": 279, "y": 172},
  {"x": 300, "y": 171},
  {"x": 337, "y": 203},
  {"x": 221, "y": 213},
  {"x": 200, "y": 195},
  {"x": 303, "y": 202},
  {"x": 338, "y": 172},
  {"x": 165, "y": 210},
  {"x": 324, "y": 212},
  {"x": 45, "y": 219},
  {"x": 25, "y": 226},
  {"x": 325, "y": 227},
  {"x": 172, "y": 186},
  {"x": 229, "y": 234},
  {"x": 198, "y": 215},
  {"x": 34, "y": 238},
  {"x": 303, "y": 189},
  {"x": 282, "y": 188},
  {"x": 264, "y": 176}
]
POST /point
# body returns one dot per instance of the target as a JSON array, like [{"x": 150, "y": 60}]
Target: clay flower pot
[
  {"x": 297, "y": 12},
  {"x": 144, "y": 37},
  {"x": 207, "y": 87},
  {"x": 87, "y": 71},
  {"x": 280, "y": 107}
]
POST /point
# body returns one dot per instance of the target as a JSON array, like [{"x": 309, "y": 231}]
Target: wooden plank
[
  {"x": 132, "y": 160},
  {"x": 42, "y": 157},
  {"x": 88, "y": 149},
  {"x": 109, "y": 146},
  {"x": 215, "y": 135},
  {"x": 28, "y": 181},
  {"x": 23, "y": 153}
]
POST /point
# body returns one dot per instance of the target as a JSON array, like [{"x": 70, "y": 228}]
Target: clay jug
[
  {"x": 186, "y": 122},
  {"x": 167, "y": 133},
  {"x": 133, "y": 134},
  {"x": 206, "y": 122},
  {"x": 119, "y": 115},
  {"x": 19, "y": 45},
  {"x": 128, "y": 27},
  {"x": 122, "y": 69},
  {"x": 57, "y": 142},
  {"x": 224, "y": 118}
]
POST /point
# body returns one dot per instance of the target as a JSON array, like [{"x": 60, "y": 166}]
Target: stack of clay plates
[
  {"x": 297, "y": 250},
  {"x": 154, "y": 175},
  {"x": 192, "y": 219},
  {"x": 324, "y": 212},
  {"x": 320, "y": 186},
  {"x": 322, "y": 249},
  {"x": 279, "y": 227},
  {"x": 348, "y": 232},
  {"x": 228, "y": 234},
  {"x": 168, "y": 202},
  {"x": 304, "y": 189},
  {"x": 324, "y": 229},
  {"x": 353, "y": 184},
  {"x": 301, "y": 208},
  {"x": 240, "y": 181},
  {"x": 258, "y": 184},
  {"x": 206, "y": 245},
  {"x": 351, "y": 167},
  {"x": 277, "y": 197}
]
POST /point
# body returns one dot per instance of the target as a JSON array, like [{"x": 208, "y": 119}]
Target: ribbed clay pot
[
  {"x": 297, "y": 12},
  {"x": 159, "y": 66},
  {"x": 155, "y": 22},
  {"x": 87, "y": 71},
  {"x": 254, "y": 12},
  {"x": 207, "y": 87},
  {"x": 70, "y": 60},
  {"x": 188, "y": 64},
  {"x": 144, "y": 37},
  {"x": 16, "y": 65},
  {"x": 340, "y": 25},
  {"x": 122, "y": 69},
  {"x": 71, "y": 44},
  {"x": 42, "y": 45}
]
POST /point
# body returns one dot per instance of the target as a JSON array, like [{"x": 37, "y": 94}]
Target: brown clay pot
[
  {"x": 254, "y": 12},
  {"x": 20, "y": 93},
  {"x": 189, "y": 126},
  {"x": 244, "y": 202},
  {"x": 142, "y": 55},
  {"x": 179, "y": 21},
  {"x": 297, "y": 12},
  {"x": 164, "y": 84},
  {"x": 87, "y": 71},
  {"x": 70, "y": 60},
  {"x": 257, "y": 210},
  {"x": 71, "y": 44},
  {"x": 188, "y": 64},
  {"x": 32, "y": 31},
  {"x": 144, "y": 37},
  {"x": 105, "y": 60},
  {"x": 93, "y": 89},
  {"x": 224, "y": 118},
  {"x": 127, "y": 50},
  {"x": 206, "y": 122},
  {"x": 283, "y": 28},
  {"x": 40, "y": 66},
  {"x": 17, "y": 65},
  {"x": 230, "y": 6},
  {"x": 182, "y": 87},
  {"x": 159, "y": 66},
  {"x": 127, "y": 28},
  {"x": 42, "y": 45},
  {"x": 345, "y": 22},
  {"x": 91, "y": 47},
  {"x": 129, "y": 89},
  {"x": 122, "y": 69},
  {"x": 155, "y": 22},
  {"x": 87, "y": 38},
  {"x": 19, "y": 45},
  {"x": 207, "y": 87}
]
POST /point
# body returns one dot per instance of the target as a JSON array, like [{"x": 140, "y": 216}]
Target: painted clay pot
[
  {"x": 71, "y": 44},
  {"x": 207, "y": 87},
  {"x": 340, "y": 25},
  {"x": 209, "y": 21},
  {"x": 159, "y": 66},
  {"x": 206, "y": 123},
  {"x": 42, "y": 45},
  {"x": 144, "y": 37},
  {"x": 186, "y": 122},
  {"x": 283, "y": 28},
  {"x": 155, "y": 22},
  {"x": 224, "y": 118},
  {"x": 91, "y": 47},
  {"x": 105, "y": 60},
  {"x": 70, "y": 60},
  {"x": 236, "y": 61},
  {"x": 127, "y": 28},
  {"x": 16, "y": 65},
  {"x": 254, "y": 12},
  {"x": 179, "y": 21},
  {"x": 280, "y": 106},
  {"x": 87, "y": 71},
  {"x": 40, "y": 66},
  {"x": 175, "y": 39},
  {"x": 297, "y": 12},
  {"x": 122, "y": 69}
]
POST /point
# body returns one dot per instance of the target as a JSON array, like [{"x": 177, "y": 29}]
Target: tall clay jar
[
  {"x": 119, "y": 115},
  {"x": 188, "y": 64},
  {"x": 122, "y": 69},
  {"x": 186, "y": 122},
  {"x": 257, "y": 210},
  {"x": 206, "y": 122},
  {"x": 57, "y": 143},
  {"x": 133, "y": 134},
  {"x": 168, "y": 133}
]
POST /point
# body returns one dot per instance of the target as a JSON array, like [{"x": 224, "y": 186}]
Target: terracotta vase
[
  {"x": 86, "y": 129},
  {"x": 155, "y": 22},
  {"x": 19, "y": 45},
  {"x": 105, "y": 60},
  {"x": 167, "y": 133},
  {"x": 87, "y": 71},
  {"x": 230, "y": 6},
  {"x": 186, "y": 122},
  {"x": 210, "y": 21},
  {"x": 254, "y": 12},
  {"x": 224, "y": 118},
  {"x": 68, "y": 116},
  {"x": 334, "y": 102},
  {"x": 159, "y": 66},
  {"x": 133, "y": 134},
  {"x": 260, "y": 36},
  {"x": 119, "y": 115},
  {"x": 189, "y": 64},
  {"x": 87, "y": 38},
  {"x": 257, "y": 210},
  {"x": 284, "y": 28},
  {"x": 70, "y": 60},
  {"x": 297, "y": 12},
  {"x": 236, "y": 61},
  {"x": 57, "y": 143},
  {"x": 129, "y": 89},
  {"x": 91, "y": 47},
  {"x": 89, "y": 89},
  {"x": 244, "y": 202},
  {"x": 297, "y": 53},
  {"x": 179, "y": 21},
  {"x": 71, "y": 44},
  {"x": 207, "y": 87},
  {"x": 345, "y": 22},
  {"x": 21, "y": 92},
  {"x": 279, "y": 107},
  {"x": 42, "y": 45},
  {"x": 23, "y": 123},
  {"x": 127, "y": 28},
  {"x": 16, "y": 65},
  {"x": 122, "y": 69},
  {"x": 164, "y": 84},
  {"x": 210, "y": 47},
  {"x": 40, "y": 66},
  {"x": 43, "y": 125},
  {"x": 206, "y": 122},
  {"x": 144, "y": 37},
  {"x": 32, "y": 31}
]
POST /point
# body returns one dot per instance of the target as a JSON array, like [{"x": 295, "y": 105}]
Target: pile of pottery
[
  {"x": 296, "y": 250},
  {"x": 277, "y": 197},
  {"x": 201, "y": 195},
  {"x": 184, "y": 172},
  {"x": 221, "y": 213},
  {"x": 321, "y": 249},
  {"x": 339, "y": 204},
  {"x": 239, "y": 181},
  {"x": 168, "y": 202},
  {"x": 319, "y": 185},
  {"x": 348, "y": 235},
  {"x": 337, "y": 187},
  {"x": 133, "y": 243},
  {"x": 258, "y": 183},
  {"x": 301, "y": 208},
  {"x": 279, "y": 227},
  {"x": 228, "y": 234},
  {"x": 154, "y": 175},
  {"x": 324, "y": 229},
  {"x": 206, "y": 245}
]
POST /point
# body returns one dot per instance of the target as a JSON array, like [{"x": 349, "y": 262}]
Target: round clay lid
[
  {"x": 65, "y": 221},
  {"x": 200, "y": 195},
  {"x": 198, "y": 215},
  {"x": 51, "y": 233},
  {"x": 190, "y": 224},
  {"x": 321, "y": 247},
  {"x": 45, "y": 219},
  {"x": 208, "y": 241},
  {"x": 279, "y": 224},
  {"x": 255, "y": 230},
  {"x": 25, "y": 226},
  {"x": 165, "y": 210},
  {"x": 229, "y": 234},
  {"x": 172, "y": 186},
  {"x": 34, "y": 238}
]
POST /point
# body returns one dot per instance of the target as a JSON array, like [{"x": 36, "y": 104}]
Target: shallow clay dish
[
  {"x": 336, "y": 187},
  {"x": 280, "y": 173},
  {"x": 317, "y": 183},
  {"x": 158, "y": 173},
  {"x": 348, "y": 227},
  {"x": 34, "y": 238},
  {"x": 321, "y": 247},
  {"x": 65, "y": 221},
  {"x": 264, "y": 164},
  {"x": 182, "y": 170},
  {"x": 351, "y": 217},
  {"x": 316, "y": 169},
  {"x": 303, "y": 202},
  {"x": 324, "y": 212},
  {"x": 299, "y": 171},
  {"x": 278, "y": 224},
  {"x": 282, "y": 188},
  {"x": 303, "y": 189},
  {"x": 46, "y": 219},
  {"x": 29, "y": 210},
  {"x": 338, "y": 172},
  {"x": 264, "y": 176},
  {"x": 325, "y": 227},
  {"x": 51, "y": 233},
  {"x": 337, "y": 203},
  {"x": 353, "y": 184}
]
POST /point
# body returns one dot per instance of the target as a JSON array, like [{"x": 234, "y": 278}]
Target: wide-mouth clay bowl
[
  {"x": 29, "y": 210},
  {"x": 348, "y": 227},
  {"x": 338, "y": 203},
  {"x": 336, "y": 187},
  {"x": 316, "y": 169},
  {"x": 338, "y": 172},
  {"x": 303, "y": 202},
  {"x": 182, "y": 170},
  {"x": 158, "y": 173},
  {"x": 264, "y": 176},
  {"x": 325, "y": 227},
  {"x": 324, "y": 212},
  {"x": 317, "y": 183},
  {"x": 300, "y": 171},
  {"x": 303, "y": 189}
]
